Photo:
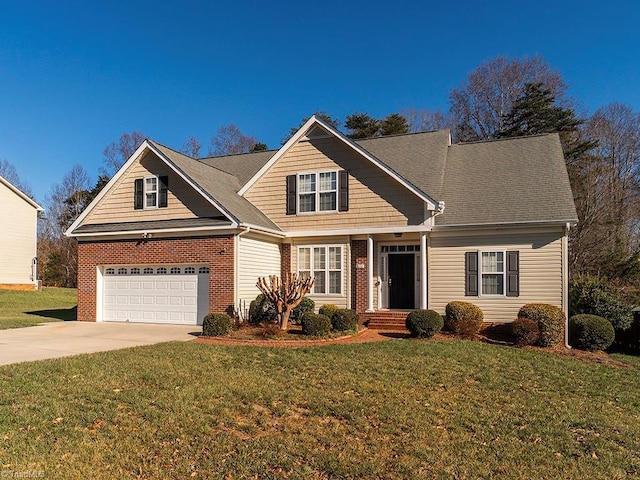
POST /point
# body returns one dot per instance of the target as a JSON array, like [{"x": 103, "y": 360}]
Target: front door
[{"x": 401, "y": 280}]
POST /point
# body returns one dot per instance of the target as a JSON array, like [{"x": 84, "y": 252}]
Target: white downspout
[
  {"x": 369, "y": 273},
  {"x": 236, "y": 254},
  {"x": 565, "y": 283}
]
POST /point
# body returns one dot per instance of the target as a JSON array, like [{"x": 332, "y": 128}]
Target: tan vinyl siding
[
  {"x": 375, "y": 198},
  {"x": 256, "y": 258},
  {"x": 540, "y": 270},
  {"x": 182, "y": 202},
  {"x": 18, "y": 239},
  {"x": 339, "y": 300}
]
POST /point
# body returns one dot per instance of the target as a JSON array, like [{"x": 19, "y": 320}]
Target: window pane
[
  {"x": 304, "y": 259},
  {"x": 305, "y": 274},
  {"x": 319, "y": 259},
  {"x": 327, "y": 181},
  {"x": 492, "y": 262},
  {"x": 492, "y": 284},
  {"x": 161, "y": 271},
  {"x": 147, "y": 270},
  {"x": 151, "y": 184},
  {"x": 327, "y": 201},
  {"x": 151, "y": 199},
  {"x": 335, "y": 282},
  {"x": 335, "y": 258},
  {"x": 320, "y": 285},
  {"x": 307, "y": 183},
  {"x": 307, "y": 202}
]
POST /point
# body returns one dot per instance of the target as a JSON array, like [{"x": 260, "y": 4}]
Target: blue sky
[{"x": 75, "y": 76}]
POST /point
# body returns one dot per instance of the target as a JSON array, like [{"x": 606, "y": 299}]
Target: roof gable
[
  {"x": 315, "y": 122},
  {"x": 20, "y": 194}
]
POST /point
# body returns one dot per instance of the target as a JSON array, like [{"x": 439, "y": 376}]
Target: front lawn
[
  {"x": 28, "y": 308},
  {"x": 396, "y": 409}
]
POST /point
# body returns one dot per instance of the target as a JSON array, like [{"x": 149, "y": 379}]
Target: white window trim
[
  {"x": 317, "y": 192},
  {"x": 145, "y": 192},
  {"x": 504, "y": 274},
  {"x": 327, "y": 270}
]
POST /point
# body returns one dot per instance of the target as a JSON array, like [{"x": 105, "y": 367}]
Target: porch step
[{"x": 394, "y": 321}]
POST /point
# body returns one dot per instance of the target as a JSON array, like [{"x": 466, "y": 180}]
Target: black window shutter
[
  {"x": 162, "y": 198},
  {"x": 471, "y": 274},
  {"x": 513, "y": 274},
  {"x": 343, "y": 205},
  {"x": 291, "y": 194},
  {"x": 138, "y": 194}
]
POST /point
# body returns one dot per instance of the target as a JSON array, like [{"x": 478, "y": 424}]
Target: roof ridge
[
  {"x": 491, "y": 140},
  {"x": 237, "y": 154},
  {"x": 401, "y": 134}
]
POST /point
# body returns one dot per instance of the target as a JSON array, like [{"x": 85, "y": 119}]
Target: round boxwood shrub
[
  {"x": 305, "y": 306},
  {"x": 596, "y": 296},
  {"x": 590, "y": 332},
  {"x": 262, "y": 310},
  {"x": 216, "y": 325},
  {"x": 463, "y": 318},
  {"x": 424, "y": 323},
  {"x": 344, "y": 319},
  {"x": 550, "y": 321},
  {"x": 525, "y": 331},
  {"x": 316, "y": 325},
  {"x": 329, "y": 309}
]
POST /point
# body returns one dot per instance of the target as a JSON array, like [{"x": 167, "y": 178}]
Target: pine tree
[
  {"x": 361, "y": 125},
  {"x": 394, "y": 124},
  {"x": 535, "y": 111}
]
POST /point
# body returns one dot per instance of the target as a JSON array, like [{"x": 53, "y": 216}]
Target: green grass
[
  {"x": 28, "y": 308},
  {"x": 397, "y": 409}
]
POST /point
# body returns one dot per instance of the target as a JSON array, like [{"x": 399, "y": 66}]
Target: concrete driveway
[{"x": 62, "y": 339}]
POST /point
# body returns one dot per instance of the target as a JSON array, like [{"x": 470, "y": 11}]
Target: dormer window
[
  {"x": 318, "y": 192},
  {"x": 150, "y": 192}
]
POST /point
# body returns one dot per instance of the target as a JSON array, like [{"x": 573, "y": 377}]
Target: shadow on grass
[{"x": 64, "y": 314}]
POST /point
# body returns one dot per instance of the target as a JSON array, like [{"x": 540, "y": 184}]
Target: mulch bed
[{"x": 293, "y": 338}]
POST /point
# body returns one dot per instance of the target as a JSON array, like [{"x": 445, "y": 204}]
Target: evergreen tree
[
  {"x": 361, "y": 125},
  {"x": 394, "y": 124},
  {"x": 535, "y": 111},
  {"x": 259, "y": 147}
]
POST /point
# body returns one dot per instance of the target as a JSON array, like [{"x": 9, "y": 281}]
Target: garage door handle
[{"x": 389, "y": 281}]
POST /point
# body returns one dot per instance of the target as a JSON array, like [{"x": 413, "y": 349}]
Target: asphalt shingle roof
[
  {"x": 152, "y": 225},
  {"x": 514, "y": 180}
]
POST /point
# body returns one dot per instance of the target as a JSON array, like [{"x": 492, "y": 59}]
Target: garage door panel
[{"x": 155, "y": 298}]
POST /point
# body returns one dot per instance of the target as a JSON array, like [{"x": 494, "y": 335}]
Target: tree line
[{"x": 501, "y": 98}]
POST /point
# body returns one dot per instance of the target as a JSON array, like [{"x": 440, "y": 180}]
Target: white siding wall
[
  {"x": 540, "y": 270},
  {"x": 18, "y": 238},
  {"x": 256, "y": 258}
]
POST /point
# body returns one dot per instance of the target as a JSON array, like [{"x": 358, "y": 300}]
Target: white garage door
[{"x": 155, "y": 293}]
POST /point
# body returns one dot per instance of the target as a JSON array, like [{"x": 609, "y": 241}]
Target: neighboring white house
[{"x": 18, "y": 240}]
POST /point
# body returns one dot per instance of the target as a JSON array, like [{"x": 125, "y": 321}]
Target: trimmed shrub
[
  {"x": 305, "y": 306},
  {"x": 463, "y": 318},
  {"x": 329, "y": 309},
  {"x": 590, "y": 332},
  {"x": 344, "y": 319},
  {"x": 593, "y": 295},
  {"x": 424, "y": 323},
  {"x": 315, "y": 325},
  {"x": 262, "y": 310},
  {"x": 216, "y": 325},
  {"x": 550, "y": 321},
  {"x": 525, "y": 331}
]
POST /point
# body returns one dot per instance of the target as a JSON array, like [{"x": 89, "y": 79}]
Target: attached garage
[{"x": 177, "y": 294}]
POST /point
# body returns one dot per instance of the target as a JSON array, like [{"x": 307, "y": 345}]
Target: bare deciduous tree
[
  {"x": 229, "y": 140},
  {"x": 192, "y": 147},
  {"x": 9, "y": 172},
  {"x": 480, "y": 103},
  {"x": 423, "y": 120},
  {"x": 118, "y": 152},
  {"x": 286, "y": 294}
]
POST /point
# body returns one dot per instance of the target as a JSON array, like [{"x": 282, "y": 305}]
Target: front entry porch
[{"x": 391, "y": 320}]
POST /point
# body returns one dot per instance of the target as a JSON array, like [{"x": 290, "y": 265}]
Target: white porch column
[
  {"x": 369, "y": 273},
  {"x": 423, "y": 270}
]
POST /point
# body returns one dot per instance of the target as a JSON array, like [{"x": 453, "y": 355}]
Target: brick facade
[
  {"x": 359, "y": 276},
  {"x": 285, "y": 258},
  {"x": 217, "y": 252}
]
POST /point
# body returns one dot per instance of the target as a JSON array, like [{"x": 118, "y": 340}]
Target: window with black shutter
[
  {"x": 471, "y": 274},
  {"x": 343, "y": 204},
  {"x": 291, "y": 194}
]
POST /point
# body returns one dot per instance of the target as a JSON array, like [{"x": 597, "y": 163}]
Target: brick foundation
[
  {"x": 359, "y": 276},
  {"x": 216, "y": 252}
]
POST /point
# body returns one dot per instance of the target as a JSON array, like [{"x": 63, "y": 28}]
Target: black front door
[{"x": 401, "y": 280}]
